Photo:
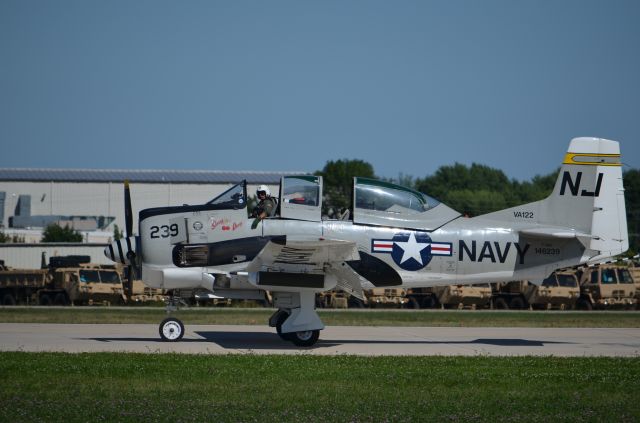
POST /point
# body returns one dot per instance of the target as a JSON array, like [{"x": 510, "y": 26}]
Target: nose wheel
[{"x": 171, "y": 329}]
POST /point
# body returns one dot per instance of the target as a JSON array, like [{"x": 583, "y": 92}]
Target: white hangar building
[{"x": 93, "y": 199}]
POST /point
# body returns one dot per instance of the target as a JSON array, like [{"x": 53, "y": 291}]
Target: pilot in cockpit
[{"x": 266, "y": 206}]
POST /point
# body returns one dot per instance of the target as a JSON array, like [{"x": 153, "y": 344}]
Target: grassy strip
[
  {"x": 171, "y": 387},
  {"x": 259, "y": 316}
]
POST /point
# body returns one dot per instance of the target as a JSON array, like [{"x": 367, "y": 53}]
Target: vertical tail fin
[
  {"x": 587, "y": 201},
  {"x": 589, "y": 196}
]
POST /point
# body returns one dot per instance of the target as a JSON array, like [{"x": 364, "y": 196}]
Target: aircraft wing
[{"x": 322, "y": 256}]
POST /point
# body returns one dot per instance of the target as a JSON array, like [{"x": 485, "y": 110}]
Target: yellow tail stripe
[{"x": 592, "y": 159}]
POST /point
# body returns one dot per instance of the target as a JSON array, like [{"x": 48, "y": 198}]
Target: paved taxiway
[{"x": 357, "y": 340}]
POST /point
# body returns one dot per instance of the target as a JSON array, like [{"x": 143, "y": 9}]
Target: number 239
[{"x": 164, "y": 231}]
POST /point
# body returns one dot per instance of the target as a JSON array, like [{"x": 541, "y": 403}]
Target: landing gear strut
[
  {"x": 172, "y": 329},
  {"x": 296, "y": 319}
]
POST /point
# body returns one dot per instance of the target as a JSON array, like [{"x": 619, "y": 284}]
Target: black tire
[
  {"x": 284, "y": 336},
  {"x": 305, "y": 338},
  {"x": 60, "y": 299},
  {"x": 516, "y": 303},
  {"x": 8, "y": 300},
  {"x": 430, "y": 302},
  {"x": 584, "y": 304},
  {"x": 500, "y": 304},
  {"x": 413, "y": 303},
  {"x": 45, "y": 300},
  {"x": 171, "y": 329}
]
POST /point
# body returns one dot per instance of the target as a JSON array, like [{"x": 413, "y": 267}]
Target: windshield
[
  {"x": 383, "y": 196},
  {"x": 568, "y": 281},
  {"x": 550, "y": 281},
  {"x": 89, "y": 276},
  {"x": 608, "y": 276},
  {"x": 109, "y": 276},
  {"x": 301, "y": 190},
  {"x": 624, "y": 276},
  {"x": 233, "y": 198}
]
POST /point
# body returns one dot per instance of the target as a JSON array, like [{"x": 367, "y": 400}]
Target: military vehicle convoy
[
  {"x": 66, "y": 280},
  {"x": 607, "y": 286}
]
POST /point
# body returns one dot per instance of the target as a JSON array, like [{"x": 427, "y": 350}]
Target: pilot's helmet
[{"x": 265, "y": 189}]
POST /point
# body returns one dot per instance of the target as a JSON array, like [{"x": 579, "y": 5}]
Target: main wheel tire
[
  {"x": 171, "y": 329},
  {"x": 305, "y": 338},
  {"x": 281, "y": 319},
  {"x": 45, "y": 300}
]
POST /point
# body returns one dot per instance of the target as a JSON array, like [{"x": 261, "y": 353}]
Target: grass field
[
  {"x": 259, "y": 316},
  {"x": 169, "y": 387},
  {"x": 242, "y": 388}
]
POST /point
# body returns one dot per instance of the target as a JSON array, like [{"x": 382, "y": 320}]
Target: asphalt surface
[{"x": 337, "y": 340}]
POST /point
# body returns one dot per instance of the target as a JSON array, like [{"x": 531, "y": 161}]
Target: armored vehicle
[
  {"x": 558, "y": 291},
  {"x": 606, "y": 286}
]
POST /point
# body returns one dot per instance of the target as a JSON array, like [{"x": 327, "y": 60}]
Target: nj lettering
[{"x": 574, "y": 186}]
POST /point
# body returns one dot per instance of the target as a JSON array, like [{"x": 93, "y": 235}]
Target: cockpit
[
  {"x": 373, "y": 202},
  {"x": 371, "y": 194}
]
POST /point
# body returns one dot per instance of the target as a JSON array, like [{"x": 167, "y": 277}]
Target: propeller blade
[
  {"x": 128, "y": 213},
  {"x": 131, "y": 255}
]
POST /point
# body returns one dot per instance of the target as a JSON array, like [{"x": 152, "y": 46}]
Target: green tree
[
  {"x": 117, "y": 233},
  {"x": 56, "y": 233},
  {"x": 4, "y": 238},
  {"x": 337, "y": 179}
]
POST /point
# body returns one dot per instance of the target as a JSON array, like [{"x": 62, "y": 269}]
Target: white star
[{"x": 411, "y": 249}]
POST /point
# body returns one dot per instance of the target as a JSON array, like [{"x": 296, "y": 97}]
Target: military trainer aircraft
[{"x": 391, "y": 236}]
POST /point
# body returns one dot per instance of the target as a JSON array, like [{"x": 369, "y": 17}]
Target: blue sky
[{"x": 287, "y": 85}]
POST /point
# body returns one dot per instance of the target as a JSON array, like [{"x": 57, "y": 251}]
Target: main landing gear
[{"x": 295, "y": 320}]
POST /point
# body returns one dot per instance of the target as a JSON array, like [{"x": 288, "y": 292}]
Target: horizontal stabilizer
[{"x": 553, "y": 232}]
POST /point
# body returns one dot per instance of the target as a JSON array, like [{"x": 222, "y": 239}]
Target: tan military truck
[
  {"x": 450, "y": 296},
  {"x": 337, "y": 298},
  {"x": 334, "y": 298},
  {"x": 66, "y": 280},
  {"x": 21, "y": 286},
  {"x": 606, "y": 286},
  {"x": 634, "y": 269},
  {"x": 386, "y": 297},
  {"x": 559, "y": 291}
]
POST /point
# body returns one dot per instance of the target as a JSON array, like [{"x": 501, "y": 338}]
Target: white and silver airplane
[{"x": 393, "y": 236}]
